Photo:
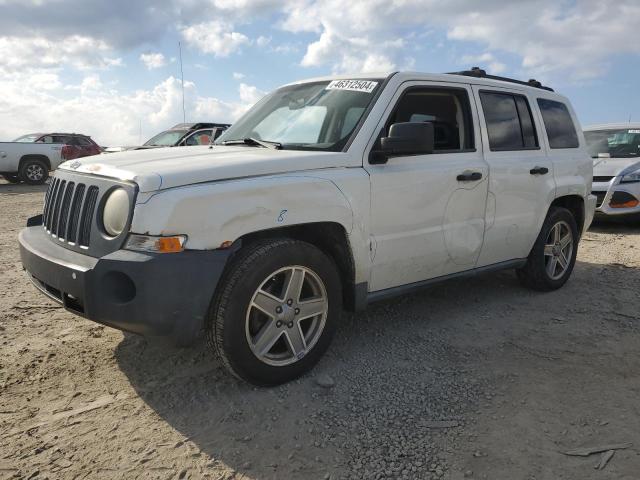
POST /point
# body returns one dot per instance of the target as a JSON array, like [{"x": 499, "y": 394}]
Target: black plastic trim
[
  {"x": 165, "y": 295},
  {"x": 417, "y": 286}
]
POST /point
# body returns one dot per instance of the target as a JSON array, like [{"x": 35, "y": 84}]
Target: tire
[
  {"x": 537, "y": 272},
  {"x": 237, "y": 327},
  {"x": 34, "y": 172},
  {"x": 11, "y": 177}
]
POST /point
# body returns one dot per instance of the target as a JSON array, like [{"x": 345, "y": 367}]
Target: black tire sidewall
[
  {"x": 26, "y": 179},
  {"x": 536, "y": 261},
  {"x": 237, "y": 295}
]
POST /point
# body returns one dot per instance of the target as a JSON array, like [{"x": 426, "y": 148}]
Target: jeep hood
[
  {"x": 162, "y": 168},
  {"x": 612, "y": 167}
]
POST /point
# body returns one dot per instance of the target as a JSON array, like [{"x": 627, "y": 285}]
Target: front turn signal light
[{"x": 155, "y": 244}]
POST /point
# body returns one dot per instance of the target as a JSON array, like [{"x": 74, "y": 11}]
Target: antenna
[{"x": 184, "y": 114}]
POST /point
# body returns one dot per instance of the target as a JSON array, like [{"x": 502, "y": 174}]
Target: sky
[{"x": 111, "y": 69}]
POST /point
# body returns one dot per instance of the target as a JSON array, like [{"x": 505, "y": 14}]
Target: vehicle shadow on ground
[
  {"x": 420, "y": 355},
  {"x": 615, "y": 226},
  {"x": 20, "y": 188}
]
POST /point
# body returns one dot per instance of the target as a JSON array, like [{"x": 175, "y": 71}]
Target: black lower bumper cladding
[{"x": 146, "y": 293}]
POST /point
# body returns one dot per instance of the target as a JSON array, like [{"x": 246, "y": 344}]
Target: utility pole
[{"x": 184, "y": 113}]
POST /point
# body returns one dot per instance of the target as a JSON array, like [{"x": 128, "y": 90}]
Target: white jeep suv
[{"x": 330, "y": 192}]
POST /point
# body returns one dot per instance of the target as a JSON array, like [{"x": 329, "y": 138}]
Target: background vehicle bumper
[
  {"x": 612, "y": 197},
  {"x": 589, "y": 212},
  {"x": 150, "y": 294}
]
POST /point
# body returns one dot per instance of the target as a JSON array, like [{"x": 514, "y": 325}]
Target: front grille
[
  {"x": 68, "y": 211},
  {"x": 602, "y": 179},
  {"x": 71, "y": 212},
  {"x": 599, "y": 198}
]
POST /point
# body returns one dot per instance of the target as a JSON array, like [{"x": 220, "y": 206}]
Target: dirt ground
[{"x": 476, "y": 378}]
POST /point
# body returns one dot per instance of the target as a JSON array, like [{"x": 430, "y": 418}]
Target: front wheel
[
  {"x": 34, "y": 172},
  {"x": 553, "y": 256},
  {"x": 276, "y": 311}
]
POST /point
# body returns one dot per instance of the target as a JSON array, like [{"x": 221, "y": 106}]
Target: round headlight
[{"x": 115, "y": 212}]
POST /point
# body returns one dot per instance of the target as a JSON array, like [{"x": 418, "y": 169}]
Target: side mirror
[{"x": 406, "y": 138}]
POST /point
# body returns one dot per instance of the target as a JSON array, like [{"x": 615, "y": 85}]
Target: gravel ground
[{"x": 475, "y": 378}]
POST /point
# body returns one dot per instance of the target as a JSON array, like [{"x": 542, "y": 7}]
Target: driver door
[{"x": 427, "y": 210}]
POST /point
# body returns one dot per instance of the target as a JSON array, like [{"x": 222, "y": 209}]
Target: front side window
[
  {"x": 447, "y": 108},
  {"x": 165, "y": 139},
  {"x": 309, "y": 116},
  {"x": 509, "y": 122},
  {"x": 199, "y": 138},
  {"x": 617, "y": 143},
  {"x": 559, "y": 124}
]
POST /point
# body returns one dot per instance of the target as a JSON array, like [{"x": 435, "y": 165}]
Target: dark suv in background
[
  {"x": 75, "y": 145},
  {"x": 185, "y": 134}
]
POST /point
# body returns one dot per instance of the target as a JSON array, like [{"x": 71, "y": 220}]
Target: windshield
[
  {"x": 309, "y": 116},
  {"x": 618, "y": 143},
  {"x": 27, "y": 138},
  {"x": 166, "y": 139}
]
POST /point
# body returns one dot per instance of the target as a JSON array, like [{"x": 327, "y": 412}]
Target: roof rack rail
[{"x": 477, "y": 72}]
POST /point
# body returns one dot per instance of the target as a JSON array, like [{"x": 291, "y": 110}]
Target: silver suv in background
[{"x": 615, "y": 149}]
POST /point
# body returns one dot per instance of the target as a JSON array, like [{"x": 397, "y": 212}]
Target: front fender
[{"x": 213, "y": 213}]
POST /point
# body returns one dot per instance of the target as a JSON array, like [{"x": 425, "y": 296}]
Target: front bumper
[
  {"x": 151, "y": 294},
  {"x": 611, "y": 196}
]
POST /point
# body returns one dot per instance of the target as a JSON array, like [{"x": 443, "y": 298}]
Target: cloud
[
  {"x": 110, "y": 117},
  {"x": 215, "y": 37},
  {"x": 238, "y": 75},
  {"x": 19, "y": 54},
  {"x": 153, "y": 60}
]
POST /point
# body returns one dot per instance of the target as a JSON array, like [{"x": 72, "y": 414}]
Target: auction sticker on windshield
[{"x": 366, "y": 86}]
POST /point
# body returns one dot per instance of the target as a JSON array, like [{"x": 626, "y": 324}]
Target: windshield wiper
[{"x": 254, "y": 142}]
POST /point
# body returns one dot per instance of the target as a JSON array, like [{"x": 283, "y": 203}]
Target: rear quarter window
[{"x": 558, "y": 123}]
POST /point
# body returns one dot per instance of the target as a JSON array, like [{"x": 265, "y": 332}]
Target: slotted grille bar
[
  {"x": 74, "y": 214},
  {"x": 84, "y": 234},
  {"x": 56, "y": 208},
  {"x": 64, "y": 211}
]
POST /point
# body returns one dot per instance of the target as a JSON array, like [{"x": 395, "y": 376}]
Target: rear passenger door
[{"x": 521, "y": 181}]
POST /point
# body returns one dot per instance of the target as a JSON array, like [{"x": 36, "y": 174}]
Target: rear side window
[
  {"x": 85, "y": 142},
  {"x": 558, "y": 123},
  {"x": 509, "y": 122}
]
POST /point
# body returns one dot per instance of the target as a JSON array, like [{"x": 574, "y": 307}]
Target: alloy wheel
[
  {"x": 286, "y": 315},
  {"x": 558, "y": 250},
  {"x": 35, "y": 172}
]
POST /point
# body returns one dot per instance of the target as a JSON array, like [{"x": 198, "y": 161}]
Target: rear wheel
[
  {"x": 11, "y": 177},
  {"x": 553, "y": 256},
  {"x": 276, "y": 311},
  {"x": 34, "y": 172}
]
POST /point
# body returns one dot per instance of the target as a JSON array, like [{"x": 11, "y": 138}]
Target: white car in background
[{"x": 615, "y": 149}]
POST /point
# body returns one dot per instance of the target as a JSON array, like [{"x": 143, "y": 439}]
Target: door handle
[
  {"x": 539, "y": 171},
  {"x": 469, "y": 177}
]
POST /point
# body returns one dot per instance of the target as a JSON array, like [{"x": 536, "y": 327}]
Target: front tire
[
  {"x": 553, "y": 256},
  {"x": 276, "y": 311},
  {"x": 34, "y": 172}
]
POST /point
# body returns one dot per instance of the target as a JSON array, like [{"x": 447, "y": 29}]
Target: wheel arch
[
  {"x": 575, "y": 204},
  {"x": 31, "y": 156},
  {"x": 329, "y": 237}
]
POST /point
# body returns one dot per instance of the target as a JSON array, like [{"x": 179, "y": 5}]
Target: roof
[
  {"x": 613, "y": 126},
  {"x": 196, "y": 126},
  {"x": 455, "y": 77}
]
